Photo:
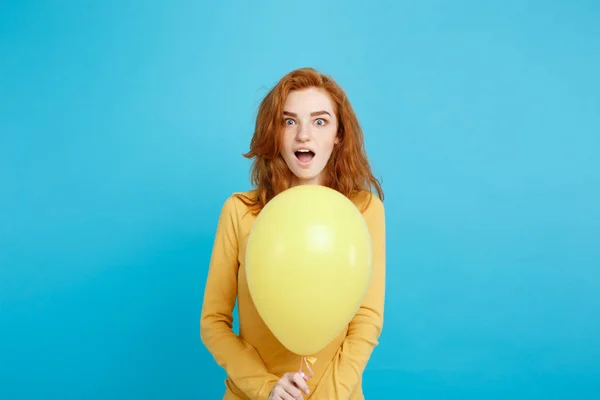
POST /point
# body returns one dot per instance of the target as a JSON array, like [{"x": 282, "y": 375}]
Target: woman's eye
[
  {"x": 320, "y": 122},
  {"x": 289, "y": 121}
]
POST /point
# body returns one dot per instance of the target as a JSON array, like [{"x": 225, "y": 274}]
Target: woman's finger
[
  {"x": 282, "y": 394},
  {"x": 300, "y": 382},
  {"x": 291, "y": 389}
]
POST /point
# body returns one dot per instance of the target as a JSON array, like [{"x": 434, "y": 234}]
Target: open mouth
[{"x": 304, "y": 156}]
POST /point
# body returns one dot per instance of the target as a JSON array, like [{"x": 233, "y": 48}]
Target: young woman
[{"x": 306, "y": 133}]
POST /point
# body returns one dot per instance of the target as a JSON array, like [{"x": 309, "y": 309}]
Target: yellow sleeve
[
  {"x": 345, "y": 371},
  {"x": 240, "y": 360}
]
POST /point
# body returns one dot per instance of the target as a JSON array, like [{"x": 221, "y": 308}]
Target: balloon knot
[{"x": 308, "y": 361}]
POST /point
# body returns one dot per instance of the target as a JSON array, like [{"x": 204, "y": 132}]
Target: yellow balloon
[{"x": 308, "y": 265}]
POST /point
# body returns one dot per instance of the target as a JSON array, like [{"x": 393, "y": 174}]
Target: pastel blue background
[{"x": 121, "y": 129}]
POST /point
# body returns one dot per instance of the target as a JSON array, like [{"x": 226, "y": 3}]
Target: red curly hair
[{"x": 348, "y": 170}]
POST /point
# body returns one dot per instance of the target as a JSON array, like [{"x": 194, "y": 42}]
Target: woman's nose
[{"x": 303, "y": 134}]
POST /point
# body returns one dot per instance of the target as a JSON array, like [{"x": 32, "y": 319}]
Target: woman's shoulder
[
  {"x": 243, "y": 198},
  {"x": 367, "y": 201},
  {"x": 237, "y": 203}
]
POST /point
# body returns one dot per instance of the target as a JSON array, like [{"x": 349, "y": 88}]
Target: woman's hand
[{"x": 290, "y": 387}]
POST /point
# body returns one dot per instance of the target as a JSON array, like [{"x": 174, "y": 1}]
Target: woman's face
[{"x": 310, "y": 134}]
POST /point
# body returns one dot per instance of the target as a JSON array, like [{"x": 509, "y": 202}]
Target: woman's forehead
[{"x": 307, "y": 101}]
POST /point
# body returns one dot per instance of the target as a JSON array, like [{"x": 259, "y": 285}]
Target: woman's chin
[{"x": 307, "y": 179}]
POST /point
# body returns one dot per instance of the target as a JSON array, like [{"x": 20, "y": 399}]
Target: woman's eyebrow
[{"x": 312, "y": 114}]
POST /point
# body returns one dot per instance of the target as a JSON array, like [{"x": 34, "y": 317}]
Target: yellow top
[{"x": 255, "y": 360}]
